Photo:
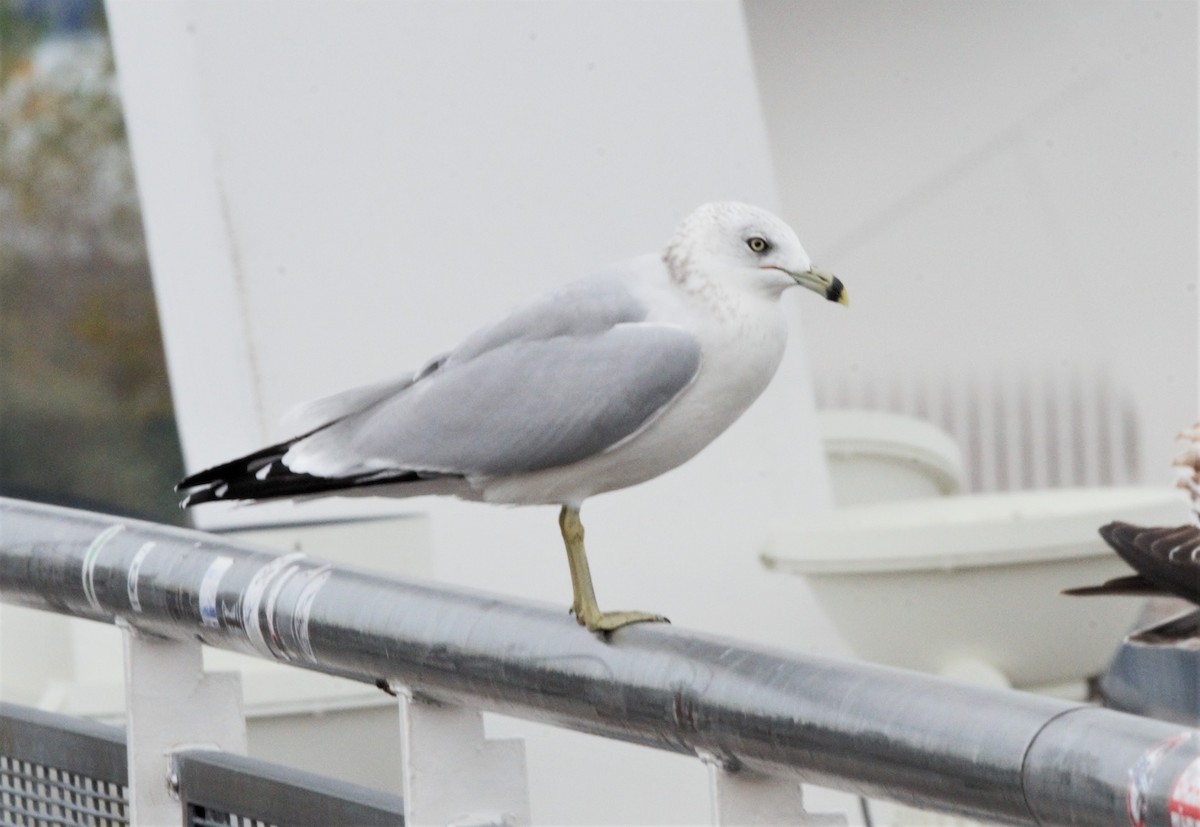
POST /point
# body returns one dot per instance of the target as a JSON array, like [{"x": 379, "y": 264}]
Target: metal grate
[
  {"x": 224, "y": 790},
  {"x": 34, "y": 794},
  {"x": 57, "y": 771},
  {"x": 208, "y": 817}
]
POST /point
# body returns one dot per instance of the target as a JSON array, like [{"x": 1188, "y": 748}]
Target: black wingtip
[
  {"x": 836, "y": 291},
  {"x": 1133, "y": 585},
  {"x": 207, "y": 494},
  {"x": 1165, "y": 556}
]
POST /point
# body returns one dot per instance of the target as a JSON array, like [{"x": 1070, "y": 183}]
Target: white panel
[
  {"x": 196, "y": 281},
  {"x": 1003, "y": 184}
]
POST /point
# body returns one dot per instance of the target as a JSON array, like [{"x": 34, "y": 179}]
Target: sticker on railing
[
  {"x": 261, "y": 593},
  {"x": 1141, "y": 777},
  {"x": 131, "y": 579},
  {"x": 303, "y": 609},
  {"x": 89, "y": 563},
  {"x": 1185, "y": 797},
  {"x": 209, "y": 586}
]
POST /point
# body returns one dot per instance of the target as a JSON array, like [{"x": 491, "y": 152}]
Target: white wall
[{"x": 1005, "y": 186}]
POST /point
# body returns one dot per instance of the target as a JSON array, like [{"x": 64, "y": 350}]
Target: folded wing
[
  {"x": 522, "y": 407},
  {"x": 560, "y": 379}
]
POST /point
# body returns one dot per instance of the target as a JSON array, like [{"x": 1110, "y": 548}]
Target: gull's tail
[{"x": 262, "y": 475}]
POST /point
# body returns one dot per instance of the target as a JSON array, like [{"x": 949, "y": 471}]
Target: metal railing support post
[
  {"x": 171, "y": 703},
  {"x": 745, "y": 797},
  {"x": 453, "y": 774}
]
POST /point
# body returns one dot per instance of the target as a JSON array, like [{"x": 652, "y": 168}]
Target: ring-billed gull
[{"x": 599, "y": 385}]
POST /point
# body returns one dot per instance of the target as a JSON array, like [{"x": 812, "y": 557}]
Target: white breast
[{"x": 742, "y": 337}]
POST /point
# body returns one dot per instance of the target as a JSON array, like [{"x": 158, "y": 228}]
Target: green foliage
[
  {"x": 85, "y": 408},
  {"x": 19, "y": 33}
]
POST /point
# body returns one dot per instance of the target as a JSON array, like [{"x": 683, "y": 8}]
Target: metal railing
[
  {"x": 217, "y": 787},
  {"x": 992, "y": 754}
]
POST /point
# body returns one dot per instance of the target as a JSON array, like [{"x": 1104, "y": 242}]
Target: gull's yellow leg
[{"x": 584, "y": 605}]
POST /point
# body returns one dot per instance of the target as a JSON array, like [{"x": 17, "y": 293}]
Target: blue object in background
[
  {"x": 1159, "y": 681},
  {"x": 62, "y": 16}
]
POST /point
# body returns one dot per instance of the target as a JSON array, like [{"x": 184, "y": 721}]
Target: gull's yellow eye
[{"x": 757, "y": 244}]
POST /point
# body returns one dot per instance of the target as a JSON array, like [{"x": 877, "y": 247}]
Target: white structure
[
  {"x": 335, "y": 192},
  {"x": 1010, "y": 190}
]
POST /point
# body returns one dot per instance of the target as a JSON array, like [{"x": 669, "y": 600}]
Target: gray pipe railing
[{"x": 993, "y": 754}]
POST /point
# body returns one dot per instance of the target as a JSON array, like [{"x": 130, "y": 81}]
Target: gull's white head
[{"x": 747, "y": 244}]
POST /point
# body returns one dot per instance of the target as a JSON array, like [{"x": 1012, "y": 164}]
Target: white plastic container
[
  {"x": 969, "y": 586},
  {"x": 875, "y": 456}
]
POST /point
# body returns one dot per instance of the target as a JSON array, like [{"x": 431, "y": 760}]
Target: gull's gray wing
[
  {"x": 590, "y": 305},
  {"x": 560, "y": 379},
  {"x": 520, "y": 407},
  {"x": 309, "y": 416}
]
